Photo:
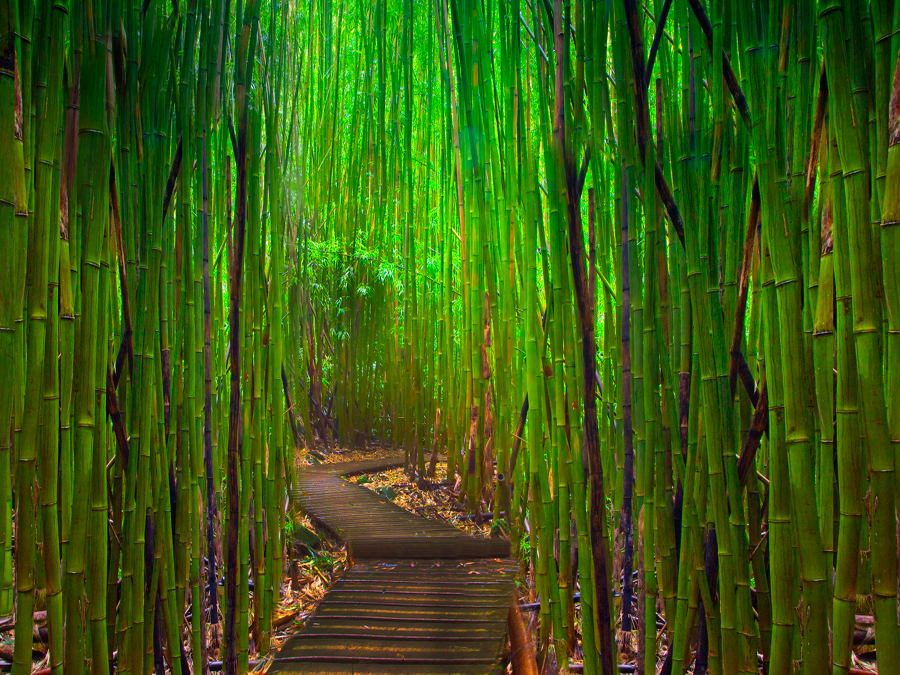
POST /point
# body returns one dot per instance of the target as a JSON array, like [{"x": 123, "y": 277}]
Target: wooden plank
[
  {"x": 350, "y": 649},
  {"x": 351, "y": 468},
  {"x": 406, "y": 612},
  {"x": 411, "y": 546},
  {"x": 498, "y": 587},
  {"x": 307, "y": 668},
  {"x": 445, "y": 568},
  {"x": 324, "y": 624}
]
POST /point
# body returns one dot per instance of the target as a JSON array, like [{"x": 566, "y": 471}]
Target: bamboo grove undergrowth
[{"x": 632, "y": 266}]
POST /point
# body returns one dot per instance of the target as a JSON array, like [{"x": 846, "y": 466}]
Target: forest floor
[{"x": 317, "y": 559}]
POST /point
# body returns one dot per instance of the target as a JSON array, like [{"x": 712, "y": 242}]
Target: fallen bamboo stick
[{"x": 521, "y": 646}]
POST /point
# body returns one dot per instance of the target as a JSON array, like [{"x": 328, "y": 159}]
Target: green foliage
[{"x": 387, "y": 492}]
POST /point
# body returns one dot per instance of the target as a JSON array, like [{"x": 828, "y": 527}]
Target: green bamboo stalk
[
  {"x": 12, "y": 208},
  {"x": 93, "y": 200},
  {"x": 866, "y": 330}
]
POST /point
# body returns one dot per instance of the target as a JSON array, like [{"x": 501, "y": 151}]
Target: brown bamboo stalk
[
  {"x": 744, "y": 276},
  {"x": 127, "y": 345},
  {"x": 758, "y": 427},
  {"x": 812, "y": 164},
  {"x": 597, "y": 509},
  {"x": 521, "y": 646},
  {"x": 434, "y": 443},
  {"x": 740, "y": 101}
]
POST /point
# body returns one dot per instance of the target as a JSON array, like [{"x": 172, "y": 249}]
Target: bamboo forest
[{"x": 532, "y": 263}]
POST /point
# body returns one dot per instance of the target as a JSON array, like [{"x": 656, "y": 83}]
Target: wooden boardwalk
[{"x": 422, "y": 596}]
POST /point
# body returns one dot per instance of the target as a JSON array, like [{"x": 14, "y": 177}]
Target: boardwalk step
[{"x": 423, "y": 597}]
